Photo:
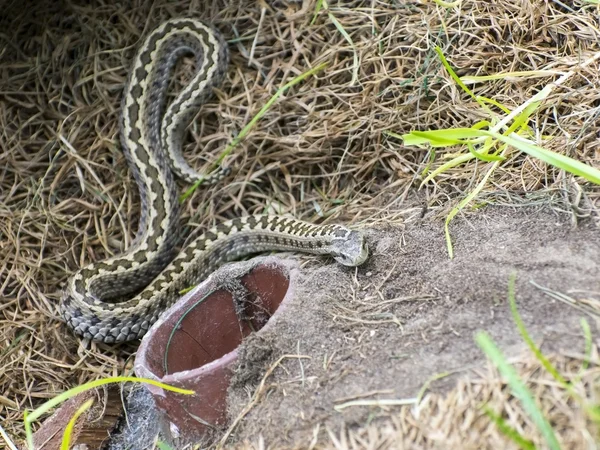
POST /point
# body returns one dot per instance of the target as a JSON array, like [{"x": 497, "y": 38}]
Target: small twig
[
  {"x": 256, "y": 397},
  {"x": 7, "y": 439},
  {"x": 382, "y": 402}
]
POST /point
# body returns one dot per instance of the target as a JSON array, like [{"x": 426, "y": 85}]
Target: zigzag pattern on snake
[{"x": 151, "y": 138}]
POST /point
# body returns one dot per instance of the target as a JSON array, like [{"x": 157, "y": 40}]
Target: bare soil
[{"x": 411, "y": 313}]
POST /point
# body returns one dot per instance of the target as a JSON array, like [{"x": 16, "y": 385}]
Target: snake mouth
[
  {"x": 353, "y": 258},
  {"x": 363, "y": 256}
]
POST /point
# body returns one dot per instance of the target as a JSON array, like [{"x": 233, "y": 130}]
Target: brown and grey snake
[{"x": 151, "y": 138}]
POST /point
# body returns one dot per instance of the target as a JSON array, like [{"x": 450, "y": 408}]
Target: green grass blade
[
  {"x": 527, "y": 338},
  {"x": 66, "y": 440},
  {"x": 509, "y": 431},
  {"x": 556, "y": 159},
  {"x": 458, "y": 160},
  {"x": 28, "y": 431},
  {"x": 518, "y": 388},
  {"x": 392, "y": 134},
  {"x": 515, "y": 74},
  {"x": 587, "y": 333},
  {"x": 318, "y": 8},
  {"x": 29, "y": 418},
  {"x": 594, "y": 413},
  {"x": 425, "y": 387},
  {"x": 444, "y": 4},
  {"x": 356, "y": 64},
  {"x": 491, "y": 101},
  {"x": 481, "y": 124},
  {"x": 440, "y": 138},
  {"x": 234, "y": 143},
  {"x": 464, "y": 202},
  {"x": 37, "y": 413},
  {"x": 522, "y": 120},
  {"x": 430, "y": 161},
  {"x": 448, "y": 165},
  {"x": 458, "y": 81},
  {"x": 484, "y": 156}
]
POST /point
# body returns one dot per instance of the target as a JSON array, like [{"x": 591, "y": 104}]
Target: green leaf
[
  {"x": 448, "y": 165},
  {"x": 448, "y": 4},
  {"x": 588, "y": 343},
  {"x": 253, "y": 122},
  {"x": 318, "y": 8},
  {"x": 457, "y": 136},
  {"x": 465, "y": 201},
  {"x": 29, "y": 418},
  {"x": 491, "y": 101},
  {"x": 483, "y": 156},
  {"x": 356, "y": 64},
  {"x": 522, "y": 120},
  {"x": 440, "y": 138},
  {"x": 516, "y": 74}
]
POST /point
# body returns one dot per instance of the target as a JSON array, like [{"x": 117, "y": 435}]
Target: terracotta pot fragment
[{"x": 194, "y": 344}]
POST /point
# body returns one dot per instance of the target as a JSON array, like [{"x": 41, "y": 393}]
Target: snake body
[{"x": 151, "y": 138}]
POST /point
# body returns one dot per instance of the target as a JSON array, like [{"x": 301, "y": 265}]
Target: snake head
[{"x": 351, "y": 250}]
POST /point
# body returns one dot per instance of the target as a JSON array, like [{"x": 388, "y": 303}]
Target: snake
[{"x": 119, "y": 298}]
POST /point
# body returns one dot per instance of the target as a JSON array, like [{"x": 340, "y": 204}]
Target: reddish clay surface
[{"x": 194, "y": 345}]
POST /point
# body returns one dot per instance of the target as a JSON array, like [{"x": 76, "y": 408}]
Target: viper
[{"x": 150, "y": 270}]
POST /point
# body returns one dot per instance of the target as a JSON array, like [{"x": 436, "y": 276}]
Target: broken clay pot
[
  {"x": 194, "y": 344},
  {"x": 92, "y": 431}
]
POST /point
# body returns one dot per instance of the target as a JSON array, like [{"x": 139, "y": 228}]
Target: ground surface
[
  {"x": 411, "y": 313},
  {"x": 408, "y": 315},
  {"x": 323, "y": 152}
]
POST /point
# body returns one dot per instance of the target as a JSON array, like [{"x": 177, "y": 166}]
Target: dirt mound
[{"x": 411, "y": 313}]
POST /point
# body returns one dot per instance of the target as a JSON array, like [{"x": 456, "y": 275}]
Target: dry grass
[
  {"x": 320, "y": 153},
  {"x": 458, "y": 419}
]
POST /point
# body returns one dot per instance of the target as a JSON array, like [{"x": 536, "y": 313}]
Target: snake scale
[{"x": 149, "y": 271}]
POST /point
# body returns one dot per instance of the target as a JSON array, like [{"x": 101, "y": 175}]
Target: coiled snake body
[{"x": 151, "y": 137}]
